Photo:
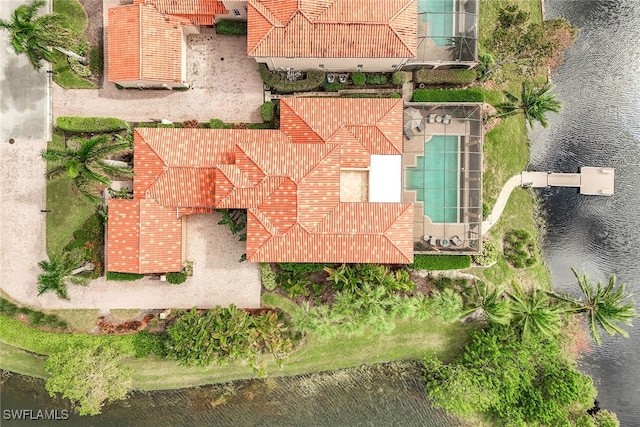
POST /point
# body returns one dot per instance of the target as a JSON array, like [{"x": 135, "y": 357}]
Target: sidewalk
[{"x": 501, "y": 202}]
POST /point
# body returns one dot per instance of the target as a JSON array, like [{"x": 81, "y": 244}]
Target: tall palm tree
[
  {"x": 36, "y": 36},
  {"x": 534, "y": 102},
  {"x": 604, "y": 306},
  {"x": 57, "y": 274},
  {"x": 534, "y": 313},
  {"x": 88, "y": 163}
]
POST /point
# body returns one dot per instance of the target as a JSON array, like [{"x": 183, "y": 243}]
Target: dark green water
[{"x": 380, "y": 395}]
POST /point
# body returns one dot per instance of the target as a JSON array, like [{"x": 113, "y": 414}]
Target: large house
[
  {"x": 146, "y": 40},
  {"x": 325, "y": 187}
]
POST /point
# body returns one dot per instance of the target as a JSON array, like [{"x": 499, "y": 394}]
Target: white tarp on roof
[{"x": 385, "y": 178}]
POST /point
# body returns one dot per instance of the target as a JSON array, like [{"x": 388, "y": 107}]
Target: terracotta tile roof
[
  {"x": 332, "y": 28},
  {"x": 198, "y": 12},
  {"x": 287, "y": 179},
  {"x": 143, "y": 237},
  {"x": 143, "y": 45}
]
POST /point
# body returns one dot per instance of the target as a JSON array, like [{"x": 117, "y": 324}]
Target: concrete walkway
[{"x": 501, "y": 202}]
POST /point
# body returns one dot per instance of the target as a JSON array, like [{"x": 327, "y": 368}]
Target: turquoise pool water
[
  {"x": 435, "y": 178},
  {"x": 440, "y": 19}
]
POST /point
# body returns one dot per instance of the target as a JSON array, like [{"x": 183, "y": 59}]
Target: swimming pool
[
  {"x": 435, "y": 178},
  {"x": 439, "y": 16}
]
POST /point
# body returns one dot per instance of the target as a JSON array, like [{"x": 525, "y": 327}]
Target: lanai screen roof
[{"x": 287, "y": 179}]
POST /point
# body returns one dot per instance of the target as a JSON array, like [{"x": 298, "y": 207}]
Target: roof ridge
[
  {"x": 395, "y": 31},
  {"x": 165, "y": 167},
  {"x": 407, "y": 206}
]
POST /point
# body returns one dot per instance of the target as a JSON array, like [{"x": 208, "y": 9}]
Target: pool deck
[{"x": 592, "y": 181}]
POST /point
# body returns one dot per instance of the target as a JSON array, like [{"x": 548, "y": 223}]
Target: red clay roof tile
[
  {"x": 290, "y": 189},
  {"x": 332, "y": 28}
]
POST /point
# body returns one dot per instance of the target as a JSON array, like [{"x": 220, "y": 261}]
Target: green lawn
[
  {"x": 68, "y": 209},
  {"x": 410, "y": 340},
  {"x": 78, "y": 320},
  {"x": 75, "y": 19}
]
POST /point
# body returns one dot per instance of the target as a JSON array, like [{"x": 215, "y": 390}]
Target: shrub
[
  {"x": 294, "y": 283},
  {"x": 8, "y": 308},
  {"x": 88, "y": 241},
  {"x": 395, "y": 95},
  {"x": 146, "y": 344},
  {"x": 359, "y": 78},
  {"x": 302, "y": 267},
  {"x": 485, "y": 211},
  {"x": 443, "y": 95},
  {"x": 224, "y": 334},
  {"x": 233, "y": 28},
  {"x": 376, "y": 79},
  {"x": 398, "y": 78},
  {"x": 176, "y": 278},
  {"x": 445, "y": 77},
  {"x": 519, "y": 248},
  {"x": 268, "y": 276},
  {"x": 313, "y": 80},
  {"x": 262, "y": 126},
  {"x": 123, "y": 277},
  {"x": 219, "y": 124},
  {"x": 78, "y": 68},
  {"x": 267, "y": 110},
  {"x": 90, "y": 124},
  {"x": 332, "y": 87},
  {"x": 489, "y": 254},
  {"x": 36, "y": 318},
  {"x": 440, "y": 262},
  {"x": 484, "y": 71}
]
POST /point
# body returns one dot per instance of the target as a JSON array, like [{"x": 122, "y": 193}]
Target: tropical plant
[
  {"x": 490, "y": 302},
  {"x": 534, "y": 313},
  {"x": 604, "y": 306},
  {"x": 36, "y": 36},
  {"x": 236, "y": 220},
  {"x": 88, "y": 163},
  {"x": 511, "y": 382},
  {"x": 88, "y": 376},
  {"x": 534, "y": 102},
  {"x": 447, "y": 305},
  {"x": 57, "y": 274}
]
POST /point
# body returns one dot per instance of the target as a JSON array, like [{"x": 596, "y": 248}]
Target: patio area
[{"x": 442, "y": 175}]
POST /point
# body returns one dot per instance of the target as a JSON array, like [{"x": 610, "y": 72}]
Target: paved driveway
[{"x": 226, "y": 85}]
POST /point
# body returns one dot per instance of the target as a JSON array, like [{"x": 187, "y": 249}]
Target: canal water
[
  {"x": 381, "y": 395},
  {"x": 599, "y": 125}
]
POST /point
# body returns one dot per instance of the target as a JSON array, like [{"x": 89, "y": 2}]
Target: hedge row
[
  {"x": 123, "y": 277},
  {"x": 90, "y": 124},
  {"x": 36, "y": 318},
  {"x": 268, "y": 111},
  {"x": 313, "y": 81},
  {"x": 443, "y": 95},
  {"x": 234, "y": 28},
  {"x": 440, "y": 262},
  {"x": 445, "y": 77}
]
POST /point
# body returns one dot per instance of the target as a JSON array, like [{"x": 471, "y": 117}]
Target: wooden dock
[{"x": 591, "y": 181}]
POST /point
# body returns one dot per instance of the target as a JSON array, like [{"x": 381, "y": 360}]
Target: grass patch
[
  {"x": 279, "y": 301},
  {"x": 506, "y": 153},
  {"x": 125, "y": 313},
  {"x": 440, "y": 262},
  {"x": 73, "y": 14},
  {"x": 79, "y": 320},
  {"x": 68, "y": 210},
  {"x": 519, "y": 213},
  {"x": 410, "y": 340},
  {"x": 17, "y": 360},
  {"x": 64, "y": 77}
]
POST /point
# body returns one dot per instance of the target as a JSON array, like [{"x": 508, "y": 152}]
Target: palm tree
[
  {"x": 534, "y": 313},
  {"x": 605, "y": 307},
  {"x": 490, "y": 303},
  {"x": 57, "y": 274},
  {"x": 88, "y": 163},
  {"x": 533, "y": 102},
  {"x": 35, "y": 36}
]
